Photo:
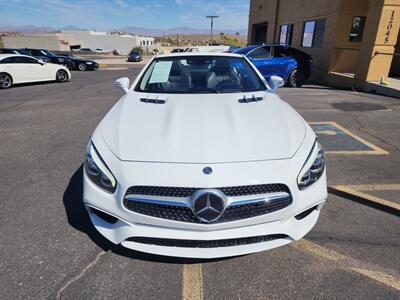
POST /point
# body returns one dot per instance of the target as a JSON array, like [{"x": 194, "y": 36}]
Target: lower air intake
[{"x": 206, "y": 244}]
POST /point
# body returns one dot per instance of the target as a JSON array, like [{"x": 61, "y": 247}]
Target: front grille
[
  {"x": 207, "y": 244},
  {"x": 170, "y": 212},
  {"x": 230, "y": 191},
  {"x": 185, "y": 214}
]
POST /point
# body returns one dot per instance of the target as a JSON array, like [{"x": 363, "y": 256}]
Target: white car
[
  {"x": 200, "y": 158},
  {"x": 23, "y": 69}
]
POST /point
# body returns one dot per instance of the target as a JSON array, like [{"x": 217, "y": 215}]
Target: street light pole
[{"x": 212, "y": 25}]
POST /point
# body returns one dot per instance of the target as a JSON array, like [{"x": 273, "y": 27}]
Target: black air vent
[
  {"x": 207, "y": 243},
  {"x": 251, "y": 99},
  {"x": 152, "y": 100}
]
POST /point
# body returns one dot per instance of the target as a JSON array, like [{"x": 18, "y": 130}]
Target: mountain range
[{"x": 128, "y": 29}]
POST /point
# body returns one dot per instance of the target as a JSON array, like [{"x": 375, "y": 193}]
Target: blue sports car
[{"x": 293, "y": 65}]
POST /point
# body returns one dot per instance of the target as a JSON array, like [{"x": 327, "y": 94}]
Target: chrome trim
[
  {"x": 188, "y": 201},
  {"x": 158, "y": 201}
]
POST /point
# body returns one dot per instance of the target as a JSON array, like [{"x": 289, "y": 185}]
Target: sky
[{"x": 110, "y": 14}]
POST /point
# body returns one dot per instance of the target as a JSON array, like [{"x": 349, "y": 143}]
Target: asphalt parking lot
[{"x": 48, "y": 248}]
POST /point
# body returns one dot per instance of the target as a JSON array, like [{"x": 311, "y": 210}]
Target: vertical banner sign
[{"x": 389, "y": 27}]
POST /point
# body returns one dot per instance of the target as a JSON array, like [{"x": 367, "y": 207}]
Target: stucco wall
[
  {"x": 336, "y": 53},
  {"x": 47, "y": 42}
]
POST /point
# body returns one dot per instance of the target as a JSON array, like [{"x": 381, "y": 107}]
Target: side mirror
[
  {"x": 41, "y": 62},
  {"x": 276, "y": 82},
  {"x": 122, "y": 83}
]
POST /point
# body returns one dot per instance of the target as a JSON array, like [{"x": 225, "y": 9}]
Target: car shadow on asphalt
[{"x": 79, "y": 219}]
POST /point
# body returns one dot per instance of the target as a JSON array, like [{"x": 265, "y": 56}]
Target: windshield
[
  {"x": 199, "y": 74},
  {"x": 22, "y": 52},
  {"x": 47, "y": 53},
  {"x": 245, "y": 50}
]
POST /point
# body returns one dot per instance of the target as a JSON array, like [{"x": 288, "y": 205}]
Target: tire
[
  {"x": 82, "y": 67},
  {"x": 6, "y": 81},
  {"x": 61, "y": 76},
  {"x": 296, "y": 78}
]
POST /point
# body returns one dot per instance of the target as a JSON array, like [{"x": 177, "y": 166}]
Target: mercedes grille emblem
[{"x": 208, "y": 205}]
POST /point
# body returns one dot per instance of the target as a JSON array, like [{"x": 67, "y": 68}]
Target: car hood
[{"x": 211, "y": 128}]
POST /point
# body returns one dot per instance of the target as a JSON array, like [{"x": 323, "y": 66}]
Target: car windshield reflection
[{"x": 200, "y": 74}]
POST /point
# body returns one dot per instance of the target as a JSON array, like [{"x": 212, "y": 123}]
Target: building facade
[
  {"x": 352, "y": 41},
  {"x": 69, "y": 40}
]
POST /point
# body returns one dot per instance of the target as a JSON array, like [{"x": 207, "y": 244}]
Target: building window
[
  {"x": 357, "y": 29},
  {"x": 313, "y": 33},
  {"x": 286, "y": 34}
]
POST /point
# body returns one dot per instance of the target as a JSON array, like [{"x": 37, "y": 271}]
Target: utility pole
[
  {"x": 177, "y": 40},
  {"x": 212, "y": 25}
]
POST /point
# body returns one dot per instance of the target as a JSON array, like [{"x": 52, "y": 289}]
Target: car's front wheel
[
  {"x": 6, "y": 81},
  {"x": 61, "y": 76},
  {"x": 296, "y": 78},
  {"x": 82, "y": 67}
]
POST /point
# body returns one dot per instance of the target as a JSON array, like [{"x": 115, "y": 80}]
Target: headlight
[
  {"x": 313, "y": 167},
  {"x": 89, "y": 63},
  {"x": 97, "y": 170}
]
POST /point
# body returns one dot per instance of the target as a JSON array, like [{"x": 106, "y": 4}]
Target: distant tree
[
  {"x": 237, "y": 33},
  {"x": 138, "y": 49}
]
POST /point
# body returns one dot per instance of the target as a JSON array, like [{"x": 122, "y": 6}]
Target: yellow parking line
[
  {"x": 317, "y": 249},
  {"x": 375, "y": 187},
  {"x": 381, "y": 277},
  {"x": 347, "y": 263},
  {"x": 355, "y": 152},
  {"x": 327, "y": 132},
  {"x": 376, "y": 150},
  {"x": 368, "y": 197},
  {"x": 192, "y": 286}
]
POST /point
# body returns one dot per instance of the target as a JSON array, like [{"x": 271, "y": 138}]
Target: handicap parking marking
[{"x": 338, "y": 140}]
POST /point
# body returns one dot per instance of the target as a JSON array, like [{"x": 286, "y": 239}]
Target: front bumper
[
  {"x": 134, "y": 59},
  {"x": 92, "y": 66},
  {"x": 121, "y": 231},
  {"x": 127, "y": 225}
]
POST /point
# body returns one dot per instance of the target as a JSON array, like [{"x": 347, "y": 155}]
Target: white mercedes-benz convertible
[{"x": 200, "y": 158}]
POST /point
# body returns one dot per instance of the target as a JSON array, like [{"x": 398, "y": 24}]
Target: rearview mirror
[
  {"x": 123, "y": 83},
  {"x": 276, "y": 82}
]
